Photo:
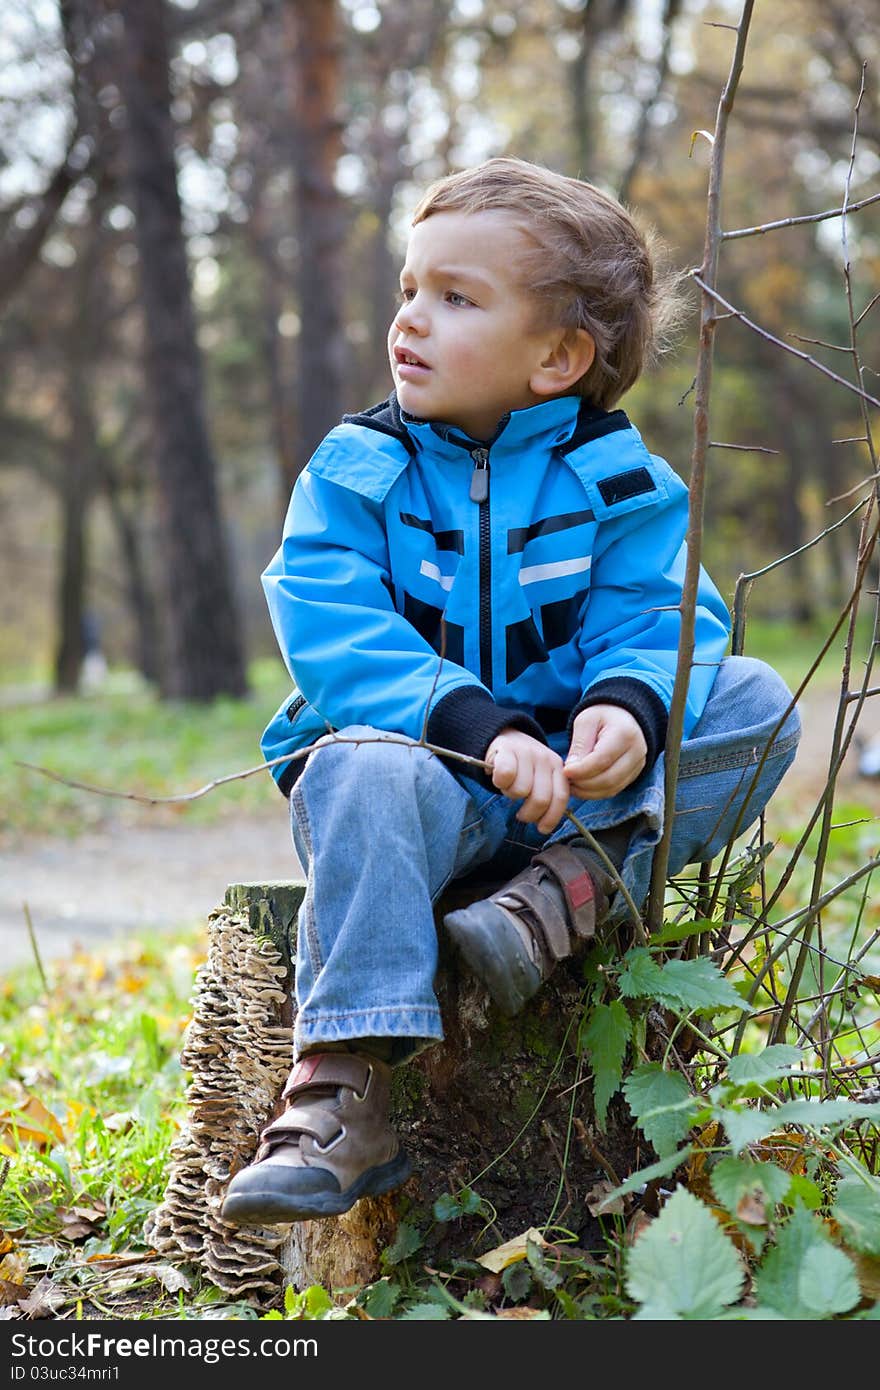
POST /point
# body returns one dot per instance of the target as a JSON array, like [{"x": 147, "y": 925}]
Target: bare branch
[
  {"x": 797, "y": 221},
  {"x": 709, "y": 269},
  {"x": 745, "y": 448},
  {"x": 771, "y": 338}
]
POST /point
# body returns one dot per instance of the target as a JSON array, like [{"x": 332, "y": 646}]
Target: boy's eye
[
  {"x": 456, "y": 299},
  {"x": 406, "y": 295}
]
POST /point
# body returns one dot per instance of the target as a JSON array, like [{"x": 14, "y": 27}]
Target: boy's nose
[{"x": 411, "y": 317}]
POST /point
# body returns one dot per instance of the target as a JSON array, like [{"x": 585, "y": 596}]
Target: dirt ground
[{"x": 104, "y": 886}]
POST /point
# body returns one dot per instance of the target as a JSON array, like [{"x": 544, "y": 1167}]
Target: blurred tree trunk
[
  {"x": 77, "y": 477},
  {"x": 281, "y": 416},
  {"x": 313, "y": 48},
  {"x": 595, "y": 20},
  {"x": 205, "y": 656},
  {"x": 126, "y": 519},
  {"x": 76, "y": 492}
]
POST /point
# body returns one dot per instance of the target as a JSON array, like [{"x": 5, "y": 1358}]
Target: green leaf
[
  {"x": 516, "y": 1280},
  {"x": 605, "y": 1033},
  {"x": 825, "y": 1114},
  {"x": 379, "y": 1299},
  {"x": 465, "y": 1202},
  {"x": 318, "y": 1301},
  {"x": 804, "y": 1276},
  {"x": 802, "y": 1189},
  {"x": 759, "y": 1067},
  {"x": 595, "y": 962},
  {"x": 680, "y": 931},
  {"x": 429, "y": 1312},
  {"x": 548, "y": 1275},
  {"x": 640, "y": 976},
  {"x": 685, "y": 1254},
  {"x": 662, "y": 1105},
  {"x": 407, "y": 1241},
  {"x": 857, "y": 1211},
  {"x": 735, "y": 1178},
  {"x": 749, "y": 1126},
  {"x": 742, "y": 1126},
  {"x": 697, "y": 986}
]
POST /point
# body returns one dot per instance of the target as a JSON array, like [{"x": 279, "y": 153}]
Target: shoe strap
[
  {"x": 567, "y": 867},
  {"x": 544, "y": 919},
  {"x": 305, "y": 1118},
  {"x": 330, "y": 1069}
]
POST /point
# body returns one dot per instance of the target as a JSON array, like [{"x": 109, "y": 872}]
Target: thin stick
[
  {"x": 797, "y": 221},
  {"x": 709, "y": 269},
  {"x": 771, "y": 338},
  {"x": 34, "y": 947}
]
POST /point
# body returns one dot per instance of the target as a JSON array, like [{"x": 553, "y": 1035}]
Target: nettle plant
[{"x": 775, "y": 1212}]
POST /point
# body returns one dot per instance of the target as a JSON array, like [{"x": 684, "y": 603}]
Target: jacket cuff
[
  {"x": 466, "y": 721},
  {"x": 643, "y": 703}
]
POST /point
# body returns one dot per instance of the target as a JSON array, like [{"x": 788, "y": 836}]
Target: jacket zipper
[
  {"x": 479, "y": 493},
  {"x": 295, "y": 706}
]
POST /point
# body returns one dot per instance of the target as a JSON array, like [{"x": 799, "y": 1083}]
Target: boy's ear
[{"x": 565, "y": 363}]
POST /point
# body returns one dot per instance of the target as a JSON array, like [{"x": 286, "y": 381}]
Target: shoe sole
[
  {"x": 270, "y": 1207},
  {"x": 501, "y": 963}
]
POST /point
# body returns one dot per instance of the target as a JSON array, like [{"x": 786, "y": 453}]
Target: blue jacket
[{"x": 546, "y": 566}]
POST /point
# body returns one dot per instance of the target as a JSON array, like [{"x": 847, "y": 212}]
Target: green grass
[
  {"x": 792, "y": 648},
  {"x": 91, "y": 1097},
  {"x": 127, "y": 740}
]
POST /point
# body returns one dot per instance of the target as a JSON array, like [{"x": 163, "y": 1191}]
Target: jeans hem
[{"x": 371, "y": 1023}]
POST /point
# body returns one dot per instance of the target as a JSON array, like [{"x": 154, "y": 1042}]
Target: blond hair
[{"x": 590, "y": 265}]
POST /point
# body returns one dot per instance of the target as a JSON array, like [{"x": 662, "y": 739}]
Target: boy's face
[{"x": 464, "y": 346}]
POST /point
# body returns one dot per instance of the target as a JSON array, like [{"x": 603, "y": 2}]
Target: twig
[
  {"x": 34, "y": 947},
  {"x": 746, "y": 448},
  {"x": 250, "y": 771},
  {"x": 709, "y": 268},
  {"x": 797, "y": 221},
  {"x": 778, "y": 342}
]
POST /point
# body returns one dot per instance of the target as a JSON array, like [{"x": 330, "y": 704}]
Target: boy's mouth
[{"x": 404, "y": 358}]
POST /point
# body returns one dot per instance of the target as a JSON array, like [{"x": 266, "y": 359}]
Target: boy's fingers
[
  {"x": 556, "y": 810},
  {"x": 504, "y": 766},
  {"x": 538, "y": 796}
]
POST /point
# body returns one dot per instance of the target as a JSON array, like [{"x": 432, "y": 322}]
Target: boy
[{"x": 492, "y": 559}]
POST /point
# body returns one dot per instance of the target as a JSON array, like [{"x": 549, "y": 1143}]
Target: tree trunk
[
  {"x": 502, "y": 1107},
  {"x": 313, "y": 50},
  {"x": 77, "y": 485},
  {"x": 205, "y": 648}
]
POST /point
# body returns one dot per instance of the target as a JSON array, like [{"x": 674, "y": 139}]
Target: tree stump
[{"x": 503, "y": 1107}]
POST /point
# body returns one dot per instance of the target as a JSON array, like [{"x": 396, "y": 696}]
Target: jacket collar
[{"x": 566, "y": 423}]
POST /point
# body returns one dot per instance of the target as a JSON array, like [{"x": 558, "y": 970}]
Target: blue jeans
[{"x": 381, "y": 829}]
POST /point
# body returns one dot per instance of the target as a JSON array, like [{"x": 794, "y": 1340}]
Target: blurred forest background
[{"x": 204, "y": 204}]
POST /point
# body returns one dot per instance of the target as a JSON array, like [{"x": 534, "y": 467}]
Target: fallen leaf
[
  {"x": 597, "y": 1195},
  {"x": 171, "y": 1279},
  {"x": 639, "y": 1222},
  {"x": 43, "y": 1300},
  {"x": 520, "y": 1313},
  {"x": 119, "y": 1122},
  {"x": 751, "y": 1209},
  {"x": 13, "y": 1267},
  {"x": 510, "y": 1251},
  {"x": 11, "y": 1291},
  {"x": 96, "y": 1213},
  {"x": 30, "y": 1123}
]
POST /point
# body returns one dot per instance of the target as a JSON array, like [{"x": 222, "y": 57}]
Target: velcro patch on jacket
[{"x": 624, "y": 485}]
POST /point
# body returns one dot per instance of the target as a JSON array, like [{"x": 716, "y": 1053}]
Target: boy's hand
[
  {"x": 607, "y": 752},
  {"x": 523, "y": 768}
]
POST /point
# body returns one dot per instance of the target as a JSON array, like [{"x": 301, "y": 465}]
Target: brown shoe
[
  {"x": 513, "y": 939},
  {"x": 331, "y": 1146}
]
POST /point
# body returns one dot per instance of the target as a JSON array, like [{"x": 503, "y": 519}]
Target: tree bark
[
  {"x": 313, "y": 52},
  {"x": 205, "y": 656}
]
